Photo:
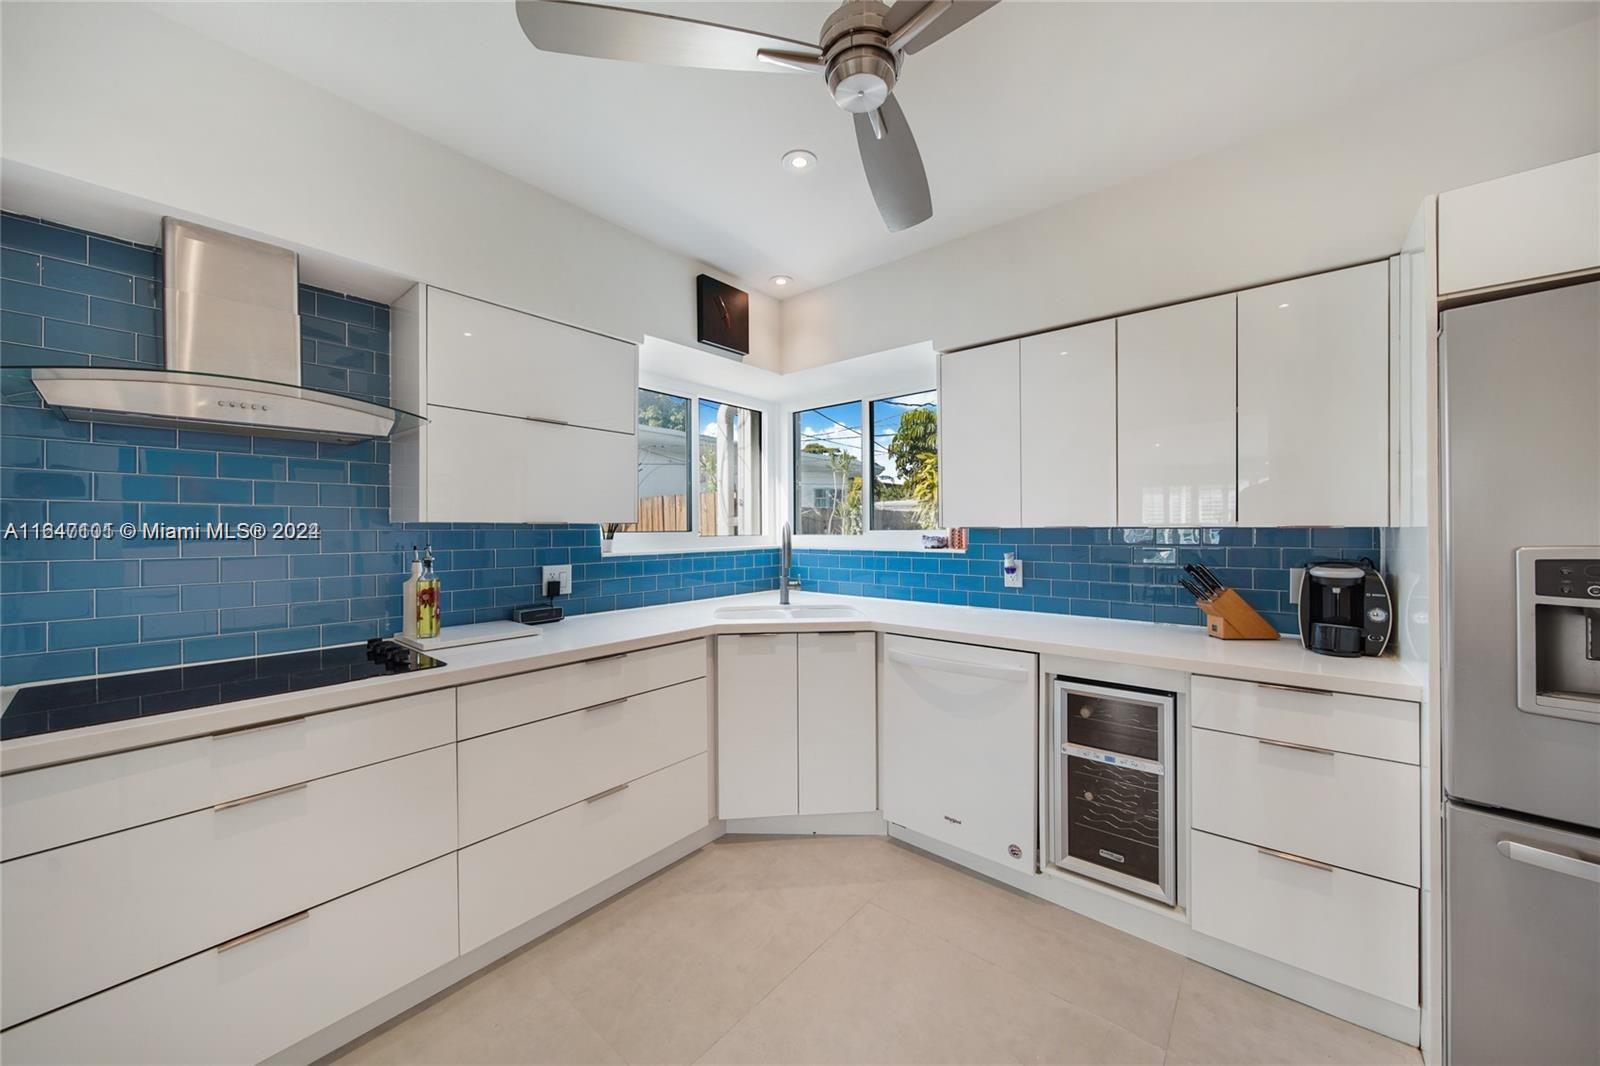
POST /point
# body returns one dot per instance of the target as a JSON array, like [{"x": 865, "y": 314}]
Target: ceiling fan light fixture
[{"x": 799, "y": 160}]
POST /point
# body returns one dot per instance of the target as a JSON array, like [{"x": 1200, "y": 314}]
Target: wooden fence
[{"x": 668, "y": 514}]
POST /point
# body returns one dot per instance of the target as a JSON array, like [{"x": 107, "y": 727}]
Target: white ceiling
[{"x": 1029, "y": 105}]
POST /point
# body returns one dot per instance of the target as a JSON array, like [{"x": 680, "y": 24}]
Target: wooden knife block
[{"x": 1228, "y": 617}]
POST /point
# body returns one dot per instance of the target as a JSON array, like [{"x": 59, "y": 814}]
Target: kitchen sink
[{"x": 777, "y": 612}]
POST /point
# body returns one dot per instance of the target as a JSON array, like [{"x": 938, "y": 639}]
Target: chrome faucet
[{"x": 785, "y": 563}]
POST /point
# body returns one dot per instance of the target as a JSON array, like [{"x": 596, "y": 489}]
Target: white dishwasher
[{"x": 960, "y": 728}]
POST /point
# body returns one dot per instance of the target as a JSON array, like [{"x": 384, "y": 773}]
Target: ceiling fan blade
[
  {"x": 917, "y": 32},
  {"x": 894, "y": 167},
  {"x": 604, "y": 32}
]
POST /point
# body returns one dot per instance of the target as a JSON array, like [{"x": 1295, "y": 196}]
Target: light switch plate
[
  {"x": 1296, "y": 575},
  {"x": 557, "y": 573}
]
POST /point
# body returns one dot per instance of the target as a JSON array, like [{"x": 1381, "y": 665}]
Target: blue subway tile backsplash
[{"x": 70, "y": 607}]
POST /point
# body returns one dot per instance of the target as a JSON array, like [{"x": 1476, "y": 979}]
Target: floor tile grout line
[
  {"x": 1177, "y": 1002},
  {"x": 786, "y": 975}
]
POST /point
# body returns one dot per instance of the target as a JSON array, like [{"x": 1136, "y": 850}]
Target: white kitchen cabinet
[
  {"x": 484, "y": 357},
  {"x": 1357, "y": 930},
  {"x": 246, "y": 1001},
  {"x": 58, "y": 805},
  {"x": 980, "y": 442},
  {"x": 1538, "y": 224},
  {"x": 1314, "y": 400},
  {"x": 758, "y": 739},
  {"x": 493, "y": 468},
  {"x": 960, "y": 729},
  {"x": 1337, "y": 721},
  {"x": 528, "y": 420},
  {"x": 1069, "y": 427},
  {"x": 520, "y": 774},
  {"x": 1177, "y": 458},
  {"x": 521, "y": 698},
  {"x": 838, "y": 723},
  {"x": 81, "y": 918},
  {"x": 518, "y": 875},
  {"x": 797, "y": 724}
]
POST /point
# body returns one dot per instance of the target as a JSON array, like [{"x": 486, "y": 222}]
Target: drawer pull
[
  {"x": 242, "y": 730},
  {"x": 1553, "y": 861},
  {"x": 607, "y": 658},
  {"x": 547, "y": 421},
  {"x": 257, "y": 934},
  {"x": 1293, "y": 688},
  {"x": 242, "y": 800},
  {"x": 608, "y": 792},
  {"x": 609, "y": 703},
  {"x": 1295, "y": 747},
  {"x": 1301, "y": 860}
]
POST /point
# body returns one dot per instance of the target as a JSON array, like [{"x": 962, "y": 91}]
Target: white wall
[
  {"x": 1334, "y": 190},
  {"x": 137, "y": 108}
]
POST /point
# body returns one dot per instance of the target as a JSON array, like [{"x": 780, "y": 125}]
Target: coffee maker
[{"x": 1345, "y": 608}]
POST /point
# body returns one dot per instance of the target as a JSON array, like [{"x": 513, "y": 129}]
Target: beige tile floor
[{"x": 853, "y": 950}]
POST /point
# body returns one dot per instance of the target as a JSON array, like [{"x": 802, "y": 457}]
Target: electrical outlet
[
  {"x": 562, "y": 574},
  {"x": 1297, "y": 574},
  {"x": 1011, "y": 569}
]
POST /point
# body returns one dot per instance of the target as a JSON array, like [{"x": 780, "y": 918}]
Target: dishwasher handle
[{"x": 956, "y": 666}]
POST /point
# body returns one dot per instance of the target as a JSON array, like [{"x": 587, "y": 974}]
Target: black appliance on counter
[
  {"x": 58, "y": 705},
  {"x": 1111, "y": 784},
  {"x": 1345, "y": 608}
]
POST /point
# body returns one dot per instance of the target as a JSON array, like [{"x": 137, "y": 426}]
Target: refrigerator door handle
[{"x": 1569, "y": 865}]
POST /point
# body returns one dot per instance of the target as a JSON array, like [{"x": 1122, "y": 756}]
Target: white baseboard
[
  {"x": 354, "y": 1026},
  {"x": 1169, "y": 928},
  {"x": 865, "y": 823}
]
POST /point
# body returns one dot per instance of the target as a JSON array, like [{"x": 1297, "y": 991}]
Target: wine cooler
[{"x": 1112, "y": 786}]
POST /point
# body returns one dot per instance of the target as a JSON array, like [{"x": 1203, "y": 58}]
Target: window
[
  {"x": 834, "y": 494},
  {"x": 827, "y": 469},
  {"x": 664, "y": 447},
  {"x": 700, "y": 468},
  {"x": 905, "y": 462},
  {"x": 730, "y": 471}
]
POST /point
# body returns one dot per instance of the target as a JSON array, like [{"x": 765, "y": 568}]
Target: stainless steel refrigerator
[{"x": 1520, "y": 385}]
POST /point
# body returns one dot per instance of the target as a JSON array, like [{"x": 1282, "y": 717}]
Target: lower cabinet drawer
[
  {"x": 1359, "y": 931},
  {"x": 518, "y": 875},
  {"x": 79, "y": 919},
  {"x": 59, "y": 805},
  {"x": 245, "y": 1002},
  {"x": 1345, "y": 810},
  {"x": 511, "y": 701},
  {"x": 519, "y": 774}
]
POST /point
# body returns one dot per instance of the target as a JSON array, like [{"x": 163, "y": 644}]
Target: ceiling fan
[{"x": 861, "y": 48}]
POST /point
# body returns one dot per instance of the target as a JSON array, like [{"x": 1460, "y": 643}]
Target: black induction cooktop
[{"x": 49, "y": 708}]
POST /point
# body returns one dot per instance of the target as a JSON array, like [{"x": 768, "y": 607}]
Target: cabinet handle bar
[
  {"x": 1300, "y": 859},
  {"x": 257, "y": 934},
  {"x": 242, "y": 800}
]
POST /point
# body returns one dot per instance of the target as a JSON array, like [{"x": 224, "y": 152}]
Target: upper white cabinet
[
  {"x": 1313, "y": 400},
  {"x": 1176, "y": 447},
  {"x": 1069, "y": 426},
  {"x": 529, "y": 420},
  {"x": 980, "y": 442},
  {"x": 484, "y": 357},
  {"x": 1538, "y": 224},
  {"x": 797, "y": 724}
]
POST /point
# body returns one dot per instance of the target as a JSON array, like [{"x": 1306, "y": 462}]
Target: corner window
[
  {"x": 730, "y": 471},
  {"x": 905, "y": 462},
  {"x": 700, "y": 471},
  {"x": 664, "y": 447},
  {"x": 868, "y": 467},
  {"x": 827, "y": 470}
]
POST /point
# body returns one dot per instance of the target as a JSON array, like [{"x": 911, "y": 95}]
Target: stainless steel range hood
[{"x": 232, "y": 352}]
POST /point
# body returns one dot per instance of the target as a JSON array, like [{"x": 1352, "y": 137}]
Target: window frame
[
  {"x": 869, "y": 538},
  {"x": 626, "y": 543}
]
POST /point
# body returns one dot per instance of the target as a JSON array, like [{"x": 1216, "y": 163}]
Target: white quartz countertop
[{"x": 1182, "y": 648}]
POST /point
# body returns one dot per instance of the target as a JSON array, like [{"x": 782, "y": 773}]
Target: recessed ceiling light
[
  {"x": 780, "y": 279},
  {"x": 1283, "y": 307},
  {"x": 466, "y": 333},
  {"x": 799, "y": 160}
]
